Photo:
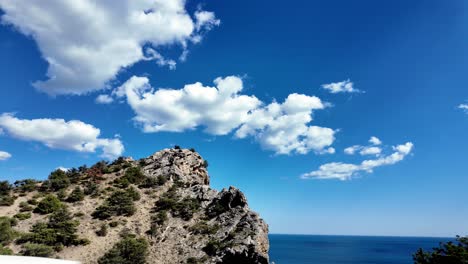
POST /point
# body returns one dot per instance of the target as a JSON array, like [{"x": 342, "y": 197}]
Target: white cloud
[
  {"x": 463, "y": 107},
  {"x": 370, "y": 151},
  {"x": 104, "y": 99},
  {"x": 375, "y": 141},
  {"x": 365, "y": 150},
  {"x": 86, "y": 42},
  {"x": 341, "y": 87},
  {"x": 60, "y": 134},
  {"x": 345, "y": 171},
  {"x": 62, "y": 169},
  {"x": 4, "y": 155},
  {"x": 351, "y": 150},
  {"x": 282, "y": 128}
]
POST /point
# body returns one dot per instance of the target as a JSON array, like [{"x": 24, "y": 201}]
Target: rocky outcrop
[{"x": 181, "y": 217}]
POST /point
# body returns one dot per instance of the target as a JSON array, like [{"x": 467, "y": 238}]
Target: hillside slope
[{"x": 158, "y": 209}]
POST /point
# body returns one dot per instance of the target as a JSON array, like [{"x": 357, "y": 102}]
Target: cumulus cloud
[
  {"x": 346, "y": 171},
  {"x": 463, "y": 107},
  {"x": 4, "y": 155},
  {"x": 365, "y": 150},
  {"x": 60, "y": 134},
  {"x": 281, "y": 127},
  {"x": 341, "y": 87},
  {"x": 104, "y": 99},
  {"x": 86, "y": 43},
  {"x": 375, "y": 141}
]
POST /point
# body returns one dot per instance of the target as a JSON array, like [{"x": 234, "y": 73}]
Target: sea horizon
[{"x": 347, "y": 249}]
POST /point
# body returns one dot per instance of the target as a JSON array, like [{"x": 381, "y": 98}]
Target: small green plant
[
  {"x": 32, "y": 202},
  {"x": 204, "y": 228},
  {"x": 58, "y": 232},
  {"x": 25, "y": 207},
  {"x": 7, "y": 200},
  {"x": 62, "y": 194},
  {"x": 113, "y": 224},
  {"x": 91, "y": 189},
  {"x": 129, "y": 250},
  {"x": 151, "y": 182},
  {"x": 205, "y": 164},
  {"x": 27, "y": 185},
  {"x": 58, "y": 180},
  {"x": 37, "y": 250},
  {"x": 134, "y": 193},
  {"x": 50, "y": 203},
  {"x": 119, "y": 203},
  {"x": 176, "y": 147},
  {"x": 76, "y": 195},
  {"x": 5, "y": 188},
  {"x": 22, "y": 216},
  {"x": 102, "y": 230},
  {"x": 446, "y": 253},
  {"x": 7, "y": 234},
  {"x": 133, "y": 175},
  {"x": 5, "y": 251}
]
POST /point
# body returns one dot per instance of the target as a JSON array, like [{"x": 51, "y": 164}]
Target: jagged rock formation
[{"x": 175, "y": 211}]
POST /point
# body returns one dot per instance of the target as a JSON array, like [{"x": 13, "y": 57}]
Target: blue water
[{"x": 305, "y": 249}]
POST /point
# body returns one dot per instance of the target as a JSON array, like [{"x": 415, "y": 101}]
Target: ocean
[{"x": 315, "y": 249}]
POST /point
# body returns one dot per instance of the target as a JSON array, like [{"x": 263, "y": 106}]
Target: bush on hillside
[
  {"x": 119, "y": 203},
  {"x": 5, "y": 251},
  {"x": 59, "y": 231},
  {"x": 22, "y": 216},
  {"x": 102, "y": 231},
  {"x": 76, "y": 195},
  {"x": 50, "y": 203},
  {"x": 58, "y": 180},
  {"x": 25, "y": 207},
  {"x": 7, "y": 234},
  {"x": 129, "y": 250},
  {"x": 27, "y": 185},
  {"x": 37, "y": 250}
]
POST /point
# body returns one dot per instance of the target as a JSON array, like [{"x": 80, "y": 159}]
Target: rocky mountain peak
[{"x": 161, "y": 206}]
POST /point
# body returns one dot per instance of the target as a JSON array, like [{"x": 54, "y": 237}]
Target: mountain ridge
[{"x": 163, "y": 205}]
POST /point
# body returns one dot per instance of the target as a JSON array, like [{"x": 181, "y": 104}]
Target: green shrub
[
  {"x": 184, "y": 208},
  {"x": 5, "y": 251},
  {"x": 32, "y": 201},
  {"x": 113, "y": 224},
  {"x": 25, "y": 207},
  {"x": 132, "y": 192},
  {"x": 129, "y": 250},
  {"x": 119, "y": 203},
  {"x": 5, "y": 188},
  {"x": 132, "y": 175},
  {"x": 7, "y": 234},
  {"x": 27, "y": 185},
  {"x": 59, "y": 231},
  {"x": 22, "y": 216},
  {"x": 73, "y": 175},
  {"x": 50, "y": 203},
  {"x": 205, "y": 164},
  {"x": 92, "y": 189},
  {"x": 62, "y": 194},
  {"x": 446, "y": 253},
  {"x": 102, "y": 231},
  {"x": 7, "y": 200},
  {"x": 79, "y": 214},
  {"x": 204, "y": 228},
  {"x": 76, "y": 195},
  {"x": 58, "y": 180},
  {"x": 37, "y": 250},
  {"x": 151, "y": 182}
]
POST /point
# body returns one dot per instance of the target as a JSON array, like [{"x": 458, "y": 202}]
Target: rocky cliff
[{"x": 161, "y": 207}]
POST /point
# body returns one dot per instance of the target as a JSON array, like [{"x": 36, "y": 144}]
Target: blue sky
[{"x": 406, "y": 60}]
